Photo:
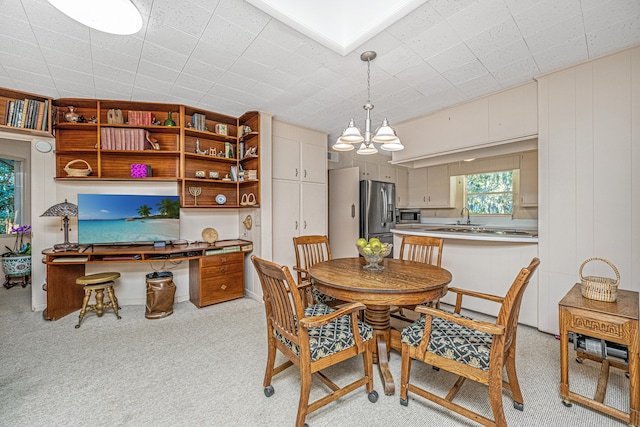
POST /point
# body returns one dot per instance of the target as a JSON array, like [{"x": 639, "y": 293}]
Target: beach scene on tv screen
[{"x": 116, "y": 218}]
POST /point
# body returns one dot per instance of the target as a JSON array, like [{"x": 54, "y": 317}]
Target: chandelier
[{"x": 384, "y": 135}]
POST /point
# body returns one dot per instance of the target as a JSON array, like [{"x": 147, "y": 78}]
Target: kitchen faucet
[{"x": 468, "y": 214}]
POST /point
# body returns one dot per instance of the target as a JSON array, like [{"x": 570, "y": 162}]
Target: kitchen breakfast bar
[{"x": 484, "y": 260}]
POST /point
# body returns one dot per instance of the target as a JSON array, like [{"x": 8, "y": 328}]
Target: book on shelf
[
  {"x": 45, "y": 118},
  {"x": 40, "y": 116},
  {"x": 11, "y": 105},
  {"x": 18, "y": 113}
]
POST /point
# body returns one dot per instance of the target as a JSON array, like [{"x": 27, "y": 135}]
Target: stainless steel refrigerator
[{"x": 377, "y": 210}]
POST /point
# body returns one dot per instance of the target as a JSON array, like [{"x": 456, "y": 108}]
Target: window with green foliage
[
  {"x": 10, "y": 210},
  {"x": 489, "y": 193}
]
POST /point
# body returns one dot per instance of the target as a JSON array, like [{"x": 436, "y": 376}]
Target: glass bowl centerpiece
[{"x": 373, "y": 252}]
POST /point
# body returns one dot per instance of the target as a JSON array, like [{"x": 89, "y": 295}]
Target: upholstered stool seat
[{"x": 98, "y": 282}]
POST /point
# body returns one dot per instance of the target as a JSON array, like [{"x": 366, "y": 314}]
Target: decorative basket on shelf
[
  {"x": 600, "y": 288},
  {"x": 77, "y": 172}
]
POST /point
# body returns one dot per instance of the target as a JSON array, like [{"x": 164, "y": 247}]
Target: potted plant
[{"x": 16, "y": 262}]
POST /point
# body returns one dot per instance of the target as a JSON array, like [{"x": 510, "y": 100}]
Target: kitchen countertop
[{"x": 466, "y": 232}]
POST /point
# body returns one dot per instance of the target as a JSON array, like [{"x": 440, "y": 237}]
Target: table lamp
[{"x": 64, "y": 210}]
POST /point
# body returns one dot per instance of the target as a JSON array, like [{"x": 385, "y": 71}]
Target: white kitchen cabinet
[
  {"x": 402, "y": 187},
  {"x": 301, "y": 210},
  {"x": 431, "y": 187},
  {"x": 440, "y": 192},
  {"x": 387, "y": 173},
  {"x": 418, "y": 188},
  {"x": 368, "y": 170},
  {"x": 313, "y": 163},
  {"x": 299, "y": 161},
  {"x": 299, "y": 188},
  {"x": 529, "y": 179},
  {"x": 513, "y": 113}
]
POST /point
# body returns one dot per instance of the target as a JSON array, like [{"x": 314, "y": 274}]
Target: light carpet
[{"x": 204, "y": 367}]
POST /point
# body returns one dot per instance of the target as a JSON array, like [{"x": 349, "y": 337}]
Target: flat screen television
[{"x": 128, "y": 219}]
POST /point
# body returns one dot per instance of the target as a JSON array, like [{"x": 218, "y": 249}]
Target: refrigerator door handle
[
  {"x": 383, "y": 199},
  {"x": 353, "y": 210}
]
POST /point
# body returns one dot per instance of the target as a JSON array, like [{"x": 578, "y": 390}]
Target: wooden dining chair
[
  {"x": 423, "y": 249},
  {"x": 313, "y": 338},
  {"x": 469, "y": 348},
  {"x": 309, "y": 251}
]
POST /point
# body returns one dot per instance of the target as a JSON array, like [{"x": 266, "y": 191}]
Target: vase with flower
[{"x": 16, "y": 262}]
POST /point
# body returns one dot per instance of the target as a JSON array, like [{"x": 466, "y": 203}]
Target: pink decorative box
[{"x": 139, "y": 170}]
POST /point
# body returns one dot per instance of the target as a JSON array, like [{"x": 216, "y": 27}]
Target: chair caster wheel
[
  {"x": 77, "y": 326},
  {"x": 268, "y": 391},
  {"x": 519, "y": 406},
  {"x": 373, "y": 396},
  {"x": 567, "y": 403},
  {"x": 579, "y": 359},
  {"x": 435, "y": 368},
  {"x": 404, "y": 402}
]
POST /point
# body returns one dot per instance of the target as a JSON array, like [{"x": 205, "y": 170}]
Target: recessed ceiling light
[
  {"x": 469, "y": 160},
  {"x": 110, "y": 16}
]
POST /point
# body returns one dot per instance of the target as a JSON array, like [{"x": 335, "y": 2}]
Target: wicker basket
[
  {"x": 600, "y": 288},
  {"x": 77, "y": 172}
]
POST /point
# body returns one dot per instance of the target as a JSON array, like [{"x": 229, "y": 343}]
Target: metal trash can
[{"x": 160, "y": 294}]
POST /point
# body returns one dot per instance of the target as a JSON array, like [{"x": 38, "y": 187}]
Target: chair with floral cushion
[
  {"x": 425, "y": 249},
  {"x": 309, "y": 251},
  {"x": 469, "y": 348},
  {"x": 313, "y": 338}
]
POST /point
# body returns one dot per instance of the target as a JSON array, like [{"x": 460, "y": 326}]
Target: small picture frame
[
  {"x": 220, "y": 128},
  {"x": 212, "y": 151},
  {"x": 213, "y": 175},
  {"x": 200, "y": 174}
]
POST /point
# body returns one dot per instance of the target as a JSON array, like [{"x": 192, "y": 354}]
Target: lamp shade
[
  {"x": 62, "y": 210},
  {"x": 385, "y": 133},
  {"x": 365, "y": 150},
  {"x": 392, "y": 145},
  {"x": 341, "y": 145},
  {"x": 352, "y": 134}
]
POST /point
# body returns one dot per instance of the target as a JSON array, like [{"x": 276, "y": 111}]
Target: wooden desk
[
  {"x": 205, "y": 260},
  {"x": 400, "y": 283},
  {"x": 611, "y": 321}
]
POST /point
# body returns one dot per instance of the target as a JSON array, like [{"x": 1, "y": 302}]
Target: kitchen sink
[{"x": 486, "y": 231}]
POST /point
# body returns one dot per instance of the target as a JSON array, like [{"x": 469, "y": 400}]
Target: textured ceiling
[{"x": 230, "y": 57}]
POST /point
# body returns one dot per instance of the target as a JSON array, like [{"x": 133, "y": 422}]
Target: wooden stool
[{"x": 98, "y": 282}]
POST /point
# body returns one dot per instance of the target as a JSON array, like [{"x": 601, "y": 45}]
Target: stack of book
[
  {"x": 140, "y": 118},
  {"x": 122, "y": 139},
  {"x": 250, "y": 174},
  {"x": 199, "y": 121},
  {"x": 27, "y": 114}
]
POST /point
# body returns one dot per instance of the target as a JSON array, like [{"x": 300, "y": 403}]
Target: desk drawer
[
  {"x": 223, "y": 288},
  {"x": 221, "y": 259},
  {"x": 221, "y": 270},
  {"x": 600, "y": 325},
  {"x": 216, "y": 278}
]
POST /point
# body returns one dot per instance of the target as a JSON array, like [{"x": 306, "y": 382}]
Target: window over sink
[{"x": 489, "y": 193}]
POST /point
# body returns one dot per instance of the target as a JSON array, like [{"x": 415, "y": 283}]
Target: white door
[
  {"x": 344, "y": 211},
  {"x": 313, "y": 218},
  {"x": 313, "y": 163},
  {"x": 286, "y": 159},
  {"x": 286, "y": 220}
]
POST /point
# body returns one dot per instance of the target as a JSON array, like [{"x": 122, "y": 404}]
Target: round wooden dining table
[{"x": 399, "y": 283}]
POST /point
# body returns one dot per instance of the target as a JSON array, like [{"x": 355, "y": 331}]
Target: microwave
[{"x": 408, "y": 216}]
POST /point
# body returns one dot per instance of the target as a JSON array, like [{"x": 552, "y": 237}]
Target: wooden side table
[{"x": 612, "y": 321}]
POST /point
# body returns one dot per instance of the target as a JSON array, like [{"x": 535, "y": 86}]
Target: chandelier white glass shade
[
  {"x": 385, "y": 134},
  {"x": 110, "y": 16}
]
